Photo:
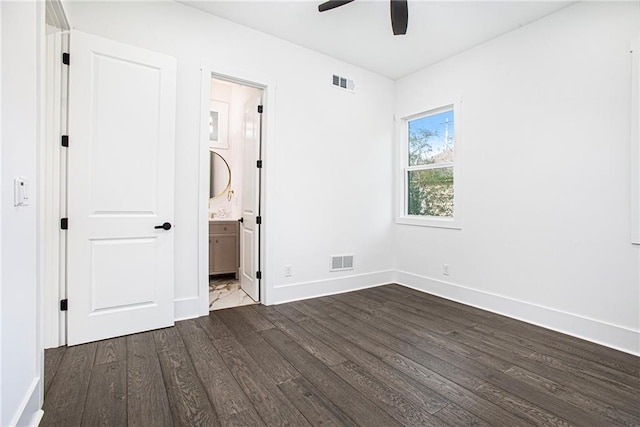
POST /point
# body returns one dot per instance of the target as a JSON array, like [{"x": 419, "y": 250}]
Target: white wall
[
  {"x": 545, "y": 127},
  {"x": 22, "y": 36},
  {"x": 327, "y": 165},
  {"x": 544, "y": 122}
]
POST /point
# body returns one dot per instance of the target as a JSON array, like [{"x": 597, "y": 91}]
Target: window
[{"x": 429, "y": 168}]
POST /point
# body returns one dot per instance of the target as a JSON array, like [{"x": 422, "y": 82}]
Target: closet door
[{"x": 120, "y": 189}]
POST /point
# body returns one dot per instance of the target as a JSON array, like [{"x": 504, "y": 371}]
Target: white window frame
[{"x": 402, "y": 217}]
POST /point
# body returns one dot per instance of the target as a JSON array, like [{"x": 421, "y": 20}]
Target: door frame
[
  {"x": 52, "y": 181},
  {"x": 258, "y": 80}
]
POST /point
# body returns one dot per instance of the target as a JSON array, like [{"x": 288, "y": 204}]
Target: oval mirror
[{"x": 220, "y": 175}]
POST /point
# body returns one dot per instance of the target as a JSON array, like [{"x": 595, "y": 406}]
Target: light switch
[{"x": 20, "y": 191}]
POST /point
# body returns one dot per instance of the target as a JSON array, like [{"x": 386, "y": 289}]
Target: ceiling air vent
[
  {"x": 341, "y": 262},
  {"x": 343, "y": 83}
]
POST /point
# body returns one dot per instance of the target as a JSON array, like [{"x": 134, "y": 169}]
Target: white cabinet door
[
  {"x": 120, "y": 188},
  {"x": 250, "y": 230}
]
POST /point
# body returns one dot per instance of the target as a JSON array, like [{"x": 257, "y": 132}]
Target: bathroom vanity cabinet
[{"x": 224, "y": 254}]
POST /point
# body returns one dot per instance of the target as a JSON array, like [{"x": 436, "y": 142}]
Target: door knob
[
  {"x": 241, "y": 220},
  {"x": 165, "y": 226}
]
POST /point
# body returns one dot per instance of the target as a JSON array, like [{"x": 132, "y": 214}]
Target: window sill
[{"x": 430, "y": 222}]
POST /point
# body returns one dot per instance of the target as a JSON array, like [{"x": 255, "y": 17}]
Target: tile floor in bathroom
[{"x": 225, "y": 292}]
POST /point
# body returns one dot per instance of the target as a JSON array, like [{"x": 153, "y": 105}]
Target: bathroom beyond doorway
[
  {"x": 225, "y": 292},
  {"x": 235, "y": 146}
]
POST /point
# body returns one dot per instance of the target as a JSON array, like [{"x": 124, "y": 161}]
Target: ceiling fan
[{"x": 399, "y": 13}]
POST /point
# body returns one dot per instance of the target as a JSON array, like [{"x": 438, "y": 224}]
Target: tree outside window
[{"x": 430, "y": 164}]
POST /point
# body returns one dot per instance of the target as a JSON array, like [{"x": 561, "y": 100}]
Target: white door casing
[
  {"x": 120, "y": 277},
  {"x": 251, "y": 185}
]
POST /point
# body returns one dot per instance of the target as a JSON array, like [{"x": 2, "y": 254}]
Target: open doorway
[{"x": 234, "y": 197}]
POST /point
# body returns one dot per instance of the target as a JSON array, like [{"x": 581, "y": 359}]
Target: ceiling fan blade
[
  {"x": 399, "y": 16},
  {"x": 332, "y": 4}
]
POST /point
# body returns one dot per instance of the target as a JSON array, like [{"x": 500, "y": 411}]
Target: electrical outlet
[
  {"x": 445, "y": 269},
  {"x": 288, "y": 270}
]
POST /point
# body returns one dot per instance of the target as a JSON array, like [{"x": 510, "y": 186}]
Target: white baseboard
[
  {"x": 187, "y": 308},
  {"x": 319, "y": 288},
  {"x": 609, "y": 335},
  {"x": 614, "y": 336},
  {"x": 29, "y": 413},
  {"x": 33, "y": 420}
]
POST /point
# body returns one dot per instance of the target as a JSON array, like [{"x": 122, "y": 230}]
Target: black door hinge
[
  {"x": 258, "y": 275},
  {"x": 65, "y": 140},
  {"x": 260, "y": 109},
  {"x": 259, "y": 164},
  {"x": 64, "y": 223},
  {"x": 64, "y": 304},
  {"x": 65, "y": 58},
  {"x": 258, "y": 220}
]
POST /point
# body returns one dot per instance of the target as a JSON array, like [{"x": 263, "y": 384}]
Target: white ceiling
[{"x": 360, "y": 32}]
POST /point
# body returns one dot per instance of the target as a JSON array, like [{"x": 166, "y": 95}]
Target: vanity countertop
[{"x": 222, "y": 220}]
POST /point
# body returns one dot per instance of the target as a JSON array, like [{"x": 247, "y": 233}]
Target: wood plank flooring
[{"x": 385, "y": 356}]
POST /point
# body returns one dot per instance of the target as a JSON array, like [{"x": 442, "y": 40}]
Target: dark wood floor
[{"x": 385, "y": 356}]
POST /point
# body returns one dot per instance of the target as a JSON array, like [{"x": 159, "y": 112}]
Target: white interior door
[
  {"x": 250, "y": 229},
  {"x": 120, "y": 188}
]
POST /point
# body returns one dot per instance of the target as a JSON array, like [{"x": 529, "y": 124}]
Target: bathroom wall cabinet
[{"x": 224, "y": 254}]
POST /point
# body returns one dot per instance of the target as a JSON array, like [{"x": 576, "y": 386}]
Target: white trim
[
  {"x": 52, "y": 180},
  {"x": 203, "y": 195},
  {"x": 267, "y": 83},
  {"x": 603, "y": 333},
  {"x": 319, "y": 288},
  {"x": 35, "y": 419},
  {"x": 56, "y": 16},
  {"x": 2, "y": 208},
  {"x": 188, "y": 308},
  {"x": 596, "y": 331},
  {"x": 634, "y": 141},
  {"x": 53, "y": 170},
  {"x": 29, "y": 412},
  {"x": 430, "y": 166},
  {"x": 429, "y": 221},
  {"x": 634, "y": 149},
  {"x": 401, "y": 217},
  {"x": 50, "y": 183},
  {"x": 33, "y": 410}
]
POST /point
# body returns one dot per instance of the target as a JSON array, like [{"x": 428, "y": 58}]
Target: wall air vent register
[
  {"x": 341, "y": 262},
  {"x": 343, "y": 83}
]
